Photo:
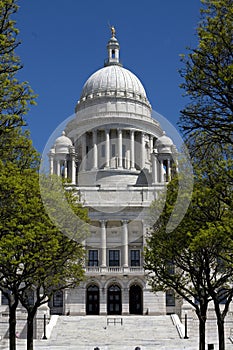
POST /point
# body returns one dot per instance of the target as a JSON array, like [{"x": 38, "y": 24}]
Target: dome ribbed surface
[{"x": 113, "y": 79}]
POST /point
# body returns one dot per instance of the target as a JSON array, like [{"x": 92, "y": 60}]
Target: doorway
[
  {"x": 92, "y": 300},
  {"x": 135, "y": 300},
  {"x": 114, "y": 300}
]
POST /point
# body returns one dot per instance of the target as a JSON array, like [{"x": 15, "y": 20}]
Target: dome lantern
[{"x": 113, "y": 50}]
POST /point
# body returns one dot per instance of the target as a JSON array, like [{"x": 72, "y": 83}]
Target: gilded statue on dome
[{"x": 113, "y": 30}]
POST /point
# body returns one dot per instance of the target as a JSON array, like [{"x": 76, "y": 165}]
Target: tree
[
  {"x": 208, "y": 78},
  {"x": 199, "y": 248},
  {"x": 16, "y": 147},
  {"x": 35, "y": 255},
  {"x": 15, "y": 96}
]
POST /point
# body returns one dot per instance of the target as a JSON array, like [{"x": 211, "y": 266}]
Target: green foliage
[
  {"x": 200, "y": 247},
  {"x": 208, "y": 78},
  {"x": 15, "y": 96}
]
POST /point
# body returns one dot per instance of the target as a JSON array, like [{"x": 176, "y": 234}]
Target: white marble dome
[
  {"x": 114, "y": 80},
  {"x": 164, "y": 140},
  {"x": 63, "y": 143}
]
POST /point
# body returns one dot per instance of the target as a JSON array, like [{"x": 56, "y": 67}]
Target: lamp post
[
  {"x": 44, "y": 336},
  {"x": 185, "y": 326}
]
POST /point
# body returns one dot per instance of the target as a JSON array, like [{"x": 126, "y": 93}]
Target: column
[
  {"x": 161, "y": 171},
  {"x": 154, "y": 167},
  {"x": 95, "y": 150},
  {"x": 125, "y": 253},
  {"x": 58, "y": 167},
  {"x": 73, "y": 166},
  {"x": 119, "y": 148},
  {"x": 103, "y": 243},
  {"x": 107, "y": 149},
  {"x": 84, "y": 155},
  {"x": 144, "y": 238},
  {"x": 65, "y": 169},
  {"x": 168, "y": 170},
  {"x": 132, "y": 154},
  {"x": 151, "y": 143},
  {"x": 51, "y": 162},
  {"x": 142, "y": 150}
]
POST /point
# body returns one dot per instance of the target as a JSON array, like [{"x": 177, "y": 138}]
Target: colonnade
[
  {"x": 124, "y": 242},
  {"x": 126, "y": 160},
  {"x": 63, "y": 164},
  {"x": 161, "y": 167},
  {"x": 113, "y": 149}
]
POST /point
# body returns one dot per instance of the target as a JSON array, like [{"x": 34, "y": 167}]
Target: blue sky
[{"x": 64, "y": 42}]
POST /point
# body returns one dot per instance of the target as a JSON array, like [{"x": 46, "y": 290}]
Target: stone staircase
[
  {"x": 114, "y": 333},
  {"x": 117, "y": 332}
]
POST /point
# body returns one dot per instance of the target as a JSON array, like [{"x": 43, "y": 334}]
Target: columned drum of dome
[{"x": 118, "y": 159}]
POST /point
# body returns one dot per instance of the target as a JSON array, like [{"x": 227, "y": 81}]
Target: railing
[
  {"x": 136, "y": 270},
  {"x": 115, "y": 320}
]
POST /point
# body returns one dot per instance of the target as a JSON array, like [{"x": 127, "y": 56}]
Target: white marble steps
[{"x": 87, "y": 330}]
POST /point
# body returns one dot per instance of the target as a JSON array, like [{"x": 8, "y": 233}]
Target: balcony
[{"x": 118, "y": 270}]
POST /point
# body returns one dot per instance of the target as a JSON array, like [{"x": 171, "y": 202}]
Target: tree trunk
[
  {"x": 12, "y": 323},
  {"x": 30, "y": 328},
  {"x": 221, "y": 336},
  {"x": 202, "y": 323},
  {"x": 201, "y": 313}
]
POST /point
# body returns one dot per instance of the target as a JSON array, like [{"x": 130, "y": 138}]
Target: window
[
  {"x": 222, "y": 295},
  {"x": 135, "y": 257},
  {"x": 29, "y": 294},
  {"x": 113, "y": 150},
  {"x": 123, "y": 150},
  {"x": 58, "y": 299},
  {"x": 102, "y": 151},
  {"x": 114, "y": 258},
  {"x": 93, "y": 258},
  {"x": 4, "y": 300},
  {"x": 170, "y": 267},
  {"x": 113, "y": 53},
  {"x": 170, "y": 298}
]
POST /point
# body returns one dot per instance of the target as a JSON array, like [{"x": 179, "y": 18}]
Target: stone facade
[{"x": 118, "y": 159}]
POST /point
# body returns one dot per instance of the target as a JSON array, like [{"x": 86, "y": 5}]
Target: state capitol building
[{"x": 118, "y": 159}]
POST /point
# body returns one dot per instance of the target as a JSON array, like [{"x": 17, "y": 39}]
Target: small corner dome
[
  {"x": 164, "y": 141},
  {"x": 63, "y": 143}
]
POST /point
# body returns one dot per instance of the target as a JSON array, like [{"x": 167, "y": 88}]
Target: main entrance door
[
  {"x": 114, "y": 300},
  {"x": 135, "y": 300},
  {"x": 92, "y": 300}
]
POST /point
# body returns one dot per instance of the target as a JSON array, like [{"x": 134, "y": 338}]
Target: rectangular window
[
  {"x": 4, "y": 300},
  {"x": 170, "y": 267},
  {"x": 113, "y": 150},
  {"x": 123, "y": 151},
  {"x": 102, "y": 151},
  {"x": 135, "y": 257},
  {"x": 170, "y": 298},
  {"x": 93, "y": 258},
  {"x": 58, "y": 299},
  {"x": 114, "y": 258}
]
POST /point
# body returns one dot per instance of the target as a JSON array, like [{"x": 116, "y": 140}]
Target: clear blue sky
[{"x": 64, "y": 42}]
